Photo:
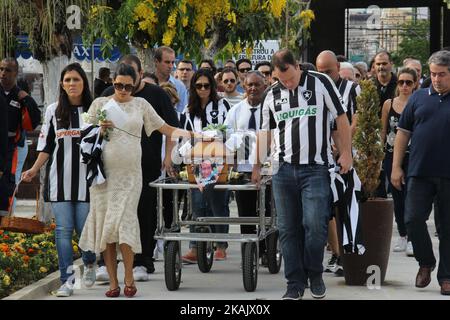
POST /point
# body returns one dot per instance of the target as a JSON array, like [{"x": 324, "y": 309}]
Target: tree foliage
[
  {"x": 415, "y": 42},
  {"x": 42, "y": 21},
  {"x": 194, "y": 27},
  {"x": 367, "y": 139}
]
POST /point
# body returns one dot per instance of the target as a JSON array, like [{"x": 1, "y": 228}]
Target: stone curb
[{"x": 42, "y": 287}]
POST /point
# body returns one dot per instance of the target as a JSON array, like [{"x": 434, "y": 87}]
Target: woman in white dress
[{"x": 112, "y": 219}]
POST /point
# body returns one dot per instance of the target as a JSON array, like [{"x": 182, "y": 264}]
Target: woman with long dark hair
[
  {"x": 206, "y": 107},
  {"x": 392, "y": 110},
  {"x": 65, "y": 184}
]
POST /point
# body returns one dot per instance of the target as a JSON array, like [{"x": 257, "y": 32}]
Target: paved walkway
[{"x": 224, "y": 281}]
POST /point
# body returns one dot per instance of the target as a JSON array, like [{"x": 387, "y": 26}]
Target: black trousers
[
  {"x": 246, "y": 203},
  {"x": 421, "y": 193}
]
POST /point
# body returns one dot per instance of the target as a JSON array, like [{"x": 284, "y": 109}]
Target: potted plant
[{"x": 375, "y": 214}]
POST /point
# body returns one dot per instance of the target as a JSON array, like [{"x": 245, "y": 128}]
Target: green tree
[
  {"x": 193, "y": 27},
  {"x": 415, "y": 42}
]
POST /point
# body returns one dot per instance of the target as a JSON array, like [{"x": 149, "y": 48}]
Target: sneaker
[
  {"x": 66, "y": 290},
  {"x": 190, "y": 257},
  {"x": 409, "y": 249},
  {"x": 400, "y": 246},
  {"x": 102, "y": 274},
  {"x": 292, "y": 294},
  {"x": 220, "y": 255},
  {"x": 140, "y": 273},
  {"x": 331, "y": 265},
  {"x": 339, "y": 271},
  {"x": 89, "y": 275},
  {"x": 317, "y": 287}
]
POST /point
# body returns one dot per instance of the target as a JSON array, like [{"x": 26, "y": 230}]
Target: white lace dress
[{"x": 113, "y": 209}]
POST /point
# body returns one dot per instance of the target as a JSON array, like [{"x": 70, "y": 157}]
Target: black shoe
[
  {"x": 339, "y": 271},
  {"x": 292, "y": 294},
  {"x": 317, "y": 287}
]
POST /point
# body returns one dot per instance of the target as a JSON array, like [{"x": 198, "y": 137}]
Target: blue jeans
[
  {"x": 69, "y": 216},
  {"x": 210, "y": 203},
  {"x": 421, "y": 193},
  {"x": 302, "y": 197}
]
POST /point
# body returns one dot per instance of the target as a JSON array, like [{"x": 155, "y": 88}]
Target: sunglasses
[
  {"x": 266, "y": 73},
  {"x": 199, "y": 86},
  {"x": 409, "y": 83},
  {"x": 184, "y": 69},
  {"x": 226, "y": 81},
  {"x": 244, "y": 70},
  {"x": 120, "y": 87}
]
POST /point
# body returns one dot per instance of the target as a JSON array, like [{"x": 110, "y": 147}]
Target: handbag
[{"x": 23, "y": 225}]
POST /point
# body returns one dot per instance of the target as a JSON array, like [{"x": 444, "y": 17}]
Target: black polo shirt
[
  {"x": 385, "y": 92},
  {"x": 427, "y": 117}
]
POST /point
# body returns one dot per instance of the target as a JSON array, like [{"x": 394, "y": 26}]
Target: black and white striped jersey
[
  {"x": 349, "y": 90},
  {"x": 66, "y": 175},
  {"x": 300, "y": 119},
  {"x": 214, "y": 113}
]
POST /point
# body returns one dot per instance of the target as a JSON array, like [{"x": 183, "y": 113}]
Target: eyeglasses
[
  {"x": 5, "y": 69},
  {"x": 244, "y": 70},
  {"x": 184, "y": 69},
  {"x": 120, "y": 87},
  {"x": 226, "y": 81},
  {"x": 409, "y": 83},
  {"x": 199, "y": 86}
]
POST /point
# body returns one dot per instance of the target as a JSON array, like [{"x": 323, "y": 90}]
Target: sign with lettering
[{"x": 262, "y": 51}]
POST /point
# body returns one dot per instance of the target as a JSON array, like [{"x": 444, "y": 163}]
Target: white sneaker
[
  {"x": 400, "y": 246},
  {"x": 89, "y": 275},
  {"x": 159, "y": 248},
  {"x": 66, "y": 290},
  {"x": 409, "y": 249},
  {"x": 102, "y": 274},
  {"x": 140, "y": 273}
]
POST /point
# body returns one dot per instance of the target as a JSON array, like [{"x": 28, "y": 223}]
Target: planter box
[{"x": 376, "y": 223}]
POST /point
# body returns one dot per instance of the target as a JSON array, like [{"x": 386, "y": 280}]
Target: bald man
[{"x": 327, "y": 63}]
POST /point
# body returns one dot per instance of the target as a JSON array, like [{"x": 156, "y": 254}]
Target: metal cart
[{"x": 266, "y": 231}]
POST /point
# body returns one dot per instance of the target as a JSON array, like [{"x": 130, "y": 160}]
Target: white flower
[{"x": 86, "y": 117}]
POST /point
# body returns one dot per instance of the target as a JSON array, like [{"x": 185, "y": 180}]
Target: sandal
[
  {"x": 129, "y": 291},
  {"x": 113, "y": 293}
]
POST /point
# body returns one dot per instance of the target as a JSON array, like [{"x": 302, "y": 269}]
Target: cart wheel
[
  {"x": 250, "y": 266},
  {"x": 205, "y": 254},
  {"x": 172, "y": 265},
  {"x": 274, "y": 256}
]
